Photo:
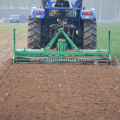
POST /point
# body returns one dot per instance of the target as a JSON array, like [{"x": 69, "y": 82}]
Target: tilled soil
[{"x": 59, "y": 92}]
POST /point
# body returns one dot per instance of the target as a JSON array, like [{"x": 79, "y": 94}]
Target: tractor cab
[{"x": 62, "y": 3}]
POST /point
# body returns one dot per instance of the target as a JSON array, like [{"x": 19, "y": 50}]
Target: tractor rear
[
  {"x": 79, "y": 25},
  {"x": 62, "y": 32}
]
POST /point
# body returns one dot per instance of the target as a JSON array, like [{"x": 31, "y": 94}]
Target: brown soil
[{"x": 59, "y": 92}]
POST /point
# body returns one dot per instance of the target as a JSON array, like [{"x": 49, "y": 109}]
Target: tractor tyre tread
[
  {"x": 34, "y": 34},
  {"x": 90, "y": 34}
]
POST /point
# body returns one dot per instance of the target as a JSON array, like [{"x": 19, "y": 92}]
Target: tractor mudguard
[
  {"x": 87, "y": 14},
  {"x": 38, "y": 13},
  {"x": 76, "y": 3}
]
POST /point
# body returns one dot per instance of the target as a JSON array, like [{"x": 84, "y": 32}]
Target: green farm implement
[{"x": 61, "y": 54}]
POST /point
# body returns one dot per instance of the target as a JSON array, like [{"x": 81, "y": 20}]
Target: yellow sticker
[
  {"x": 38, "y": 16},
  {"x": 57, "y": 19},
  {"x": 54, "y": 12},
  {"x": 86, "y": 16}
]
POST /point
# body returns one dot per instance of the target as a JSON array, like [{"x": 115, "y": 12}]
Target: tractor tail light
[
  {"x": 38, "y": 12},
  {"x": 87, "y": 13}
]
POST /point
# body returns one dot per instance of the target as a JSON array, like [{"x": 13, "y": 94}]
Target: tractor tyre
[
  {"x": 90, "y": 34},
  {"x": 34, "y": 34}
]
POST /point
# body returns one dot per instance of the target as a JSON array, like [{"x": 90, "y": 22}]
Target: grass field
[
  {"x": 115, "y": 38},
  {"x": 6, "y": 33}
]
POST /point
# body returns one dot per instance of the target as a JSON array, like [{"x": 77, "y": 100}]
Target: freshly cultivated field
[
  {"x": 54, "y": 91},
  {"x": 59, "y": 92}
]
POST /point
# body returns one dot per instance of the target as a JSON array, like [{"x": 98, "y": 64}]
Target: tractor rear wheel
[
  {"x": 90, "y": 34},
  {"x": 34, "y": 34}
]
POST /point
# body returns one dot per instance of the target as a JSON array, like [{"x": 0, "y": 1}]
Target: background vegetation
[{"x": 105, "y": 9}]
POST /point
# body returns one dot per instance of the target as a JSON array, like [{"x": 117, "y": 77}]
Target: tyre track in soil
[
  {"x": 63, "y": 90},
  {"x": 6, "y": 73},
  {"x": 68, "y": 94}
]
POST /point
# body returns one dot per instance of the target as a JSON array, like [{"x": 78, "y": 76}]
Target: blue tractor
[{"x": 79, "y": 24}]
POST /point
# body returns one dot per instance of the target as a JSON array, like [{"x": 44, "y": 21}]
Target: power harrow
[{"x": 61, "y": 54}]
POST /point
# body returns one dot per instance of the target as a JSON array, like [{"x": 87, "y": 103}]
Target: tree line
[{"x": 104, "y": 9}]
